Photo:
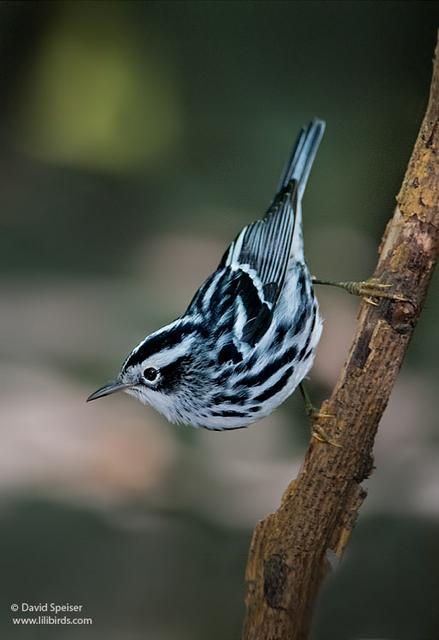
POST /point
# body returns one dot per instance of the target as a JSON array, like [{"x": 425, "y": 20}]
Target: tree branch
[{"x": 318, "y": 511}]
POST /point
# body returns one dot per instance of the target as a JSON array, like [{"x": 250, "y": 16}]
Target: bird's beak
[{"x": 107, "y": 389}]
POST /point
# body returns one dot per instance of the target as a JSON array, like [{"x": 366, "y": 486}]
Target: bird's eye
[{"x": 150, "y": 374}]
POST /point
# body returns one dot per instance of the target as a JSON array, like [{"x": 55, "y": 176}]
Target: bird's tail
[
  {"x": 298, "y": 169},
  {"x": 302, "y": 156}
]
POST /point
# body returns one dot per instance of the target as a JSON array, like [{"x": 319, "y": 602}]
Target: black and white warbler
[{"x": 249, "y": 335}]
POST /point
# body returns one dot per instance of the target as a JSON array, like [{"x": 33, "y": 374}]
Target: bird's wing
[
  {"x": 262, "y": 249},
  {"x": 251, "y": 274},
  {"x": 241, "y": 295},
  {"x": 231, "y": 304}
]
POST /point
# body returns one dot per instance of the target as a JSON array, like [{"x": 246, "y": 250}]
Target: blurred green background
[{"x": 135, "y": 140}]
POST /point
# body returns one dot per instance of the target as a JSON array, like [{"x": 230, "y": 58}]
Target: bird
[{"x": 249, "y": 335}]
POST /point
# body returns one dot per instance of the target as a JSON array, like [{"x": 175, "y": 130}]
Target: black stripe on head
[
  {"x": 259, "y": 378},
  {"x": 172, "y": 374},
  {"x": 276, "y": 387},
  {"x": 166, "y": 339}
]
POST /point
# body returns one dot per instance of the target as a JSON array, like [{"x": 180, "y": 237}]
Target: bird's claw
[
  {"x": 317, "y": 432},
  {"x": 366, "y": 289},
  {"x": 374, "y": 288},
  {"x": 320, "y": 435},
  {"x": 316, "y": 414}
]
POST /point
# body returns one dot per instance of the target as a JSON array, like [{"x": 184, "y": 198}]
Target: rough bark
[{"x": 287, "y": 559}]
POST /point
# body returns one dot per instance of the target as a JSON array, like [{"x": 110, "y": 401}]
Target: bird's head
[{"x": 160, "y": 370}]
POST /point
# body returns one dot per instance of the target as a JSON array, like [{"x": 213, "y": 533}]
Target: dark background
[{"x": 135, "y": 140}]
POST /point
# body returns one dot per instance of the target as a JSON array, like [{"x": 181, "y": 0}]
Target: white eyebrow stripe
[{"x": 166, "y": 356}]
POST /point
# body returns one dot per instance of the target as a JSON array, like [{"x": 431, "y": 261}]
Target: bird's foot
[
  {"x": 373, "y": 288},
  {"x": 317, "y": 432},
  {"x": 366, "y": 289}
]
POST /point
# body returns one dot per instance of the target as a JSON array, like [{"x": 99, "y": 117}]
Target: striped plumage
[{"x": 249, "y": 334}]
